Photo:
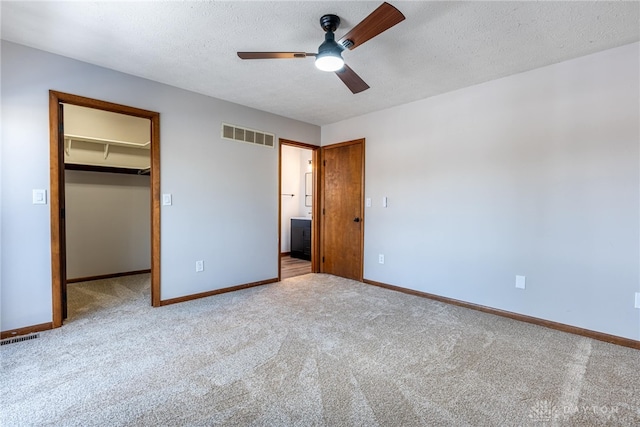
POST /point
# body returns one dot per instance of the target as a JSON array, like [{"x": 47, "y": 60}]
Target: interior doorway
[
  {"x": 298, "y": 207},
  {"x": 58, "y": 144},
  {"x": 107, "y": 208}
]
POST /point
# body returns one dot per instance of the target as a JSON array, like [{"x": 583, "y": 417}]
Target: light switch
[
  {"x": 166, "y": 199},
  {"x": 39, "y": 197},
  {"x": 368, "y": 202},
  {"x": 520, "y": 282}
]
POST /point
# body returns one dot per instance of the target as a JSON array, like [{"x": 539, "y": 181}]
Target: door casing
[{"x": 57, "y": 193}]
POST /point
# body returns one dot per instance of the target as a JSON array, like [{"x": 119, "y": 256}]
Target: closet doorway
[
  {"x": 298, "y": 242},
  {"x": 104, "y": 170}
]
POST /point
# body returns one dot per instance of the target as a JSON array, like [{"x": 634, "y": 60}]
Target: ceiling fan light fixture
[
  {"x": 329, "y": 61},
  {"x": 329, "y": 57}
]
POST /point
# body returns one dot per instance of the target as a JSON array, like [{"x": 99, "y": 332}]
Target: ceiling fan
[{"x": 329, "y": 56}]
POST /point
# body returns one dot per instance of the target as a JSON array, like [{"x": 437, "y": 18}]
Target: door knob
[{"x": 356, "y": 219}]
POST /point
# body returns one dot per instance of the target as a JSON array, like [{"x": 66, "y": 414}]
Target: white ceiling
[{"x": 441, "y": 46}]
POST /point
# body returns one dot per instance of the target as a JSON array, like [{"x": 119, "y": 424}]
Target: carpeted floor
[{"x": 312, "y": 350}]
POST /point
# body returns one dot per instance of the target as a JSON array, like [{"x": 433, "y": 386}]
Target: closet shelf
[
  {"x": 104, "y": 141},
  {"x": 68, "y": 138}
]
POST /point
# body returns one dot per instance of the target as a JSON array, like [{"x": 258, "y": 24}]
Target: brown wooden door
[{"x": 342, "y": 209}]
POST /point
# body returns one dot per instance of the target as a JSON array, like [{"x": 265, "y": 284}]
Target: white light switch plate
[
  {"x": 520, "y": 282},
  {"x": 368, "y": 202},
  {"x": 39, "y": 197},
  {"x": 637, "y": 299},
  {"x": 166, "y": 199},
  {"x": 385, "y": 202}
]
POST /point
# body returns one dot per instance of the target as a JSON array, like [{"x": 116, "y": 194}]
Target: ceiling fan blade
[
  {"x": 274, "y": 55},
  {"x": 352, "y": 80},
  {"x": 380, "y": 20}
]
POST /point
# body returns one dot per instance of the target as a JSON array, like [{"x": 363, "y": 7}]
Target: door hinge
[
  {"x": 324, "y": 163},
  {"x": 322, "y": 259},
  {"x": 62, "y": 213}
]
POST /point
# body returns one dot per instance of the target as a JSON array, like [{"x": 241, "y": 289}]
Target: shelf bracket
[
  {"x": 67, "y": 146},
  {"x": 106, "y": 151}
]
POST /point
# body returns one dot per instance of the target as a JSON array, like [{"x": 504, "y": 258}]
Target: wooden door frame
[
  {"x": 315, "y": 206},
  {"x": 57, "y": 192},
  {"x": 322, "y": 185}
]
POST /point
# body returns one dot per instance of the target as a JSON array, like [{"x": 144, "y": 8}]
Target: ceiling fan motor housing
[
  {"x": 330, "y": 45},
  {"x": 329, "y": 24}
]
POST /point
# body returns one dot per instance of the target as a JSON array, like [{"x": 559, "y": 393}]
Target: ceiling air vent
[{"x": 252, "y": 136}]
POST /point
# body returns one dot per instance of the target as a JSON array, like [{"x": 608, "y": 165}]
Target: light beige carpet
[{"x": 313, "y": 350}]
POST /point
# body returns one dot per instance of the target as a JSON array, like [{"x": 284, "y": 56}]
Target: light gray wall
[
  {"x": 225, "y": 193},
  {"x": 535, "y": 174},
  {"x": 108, "y": 219}
]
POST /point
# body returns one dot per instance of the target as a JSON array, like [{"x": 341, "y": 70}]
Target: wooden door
[{"x": 342, "y": 234}]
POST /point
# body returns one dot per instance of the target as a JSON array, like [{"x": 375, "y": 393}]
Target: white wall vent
[{"x": 238, "y": 133}]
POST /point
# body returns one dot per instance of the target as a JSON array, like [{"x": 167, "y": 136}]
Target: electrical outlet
[
  {"x": 520, "y": 282},
  {"x": 199, "y": 266},
  {"x": 368, "y": 202},
  {"x": 637, "y": 299},
  {"x": 381, "y": 258}
]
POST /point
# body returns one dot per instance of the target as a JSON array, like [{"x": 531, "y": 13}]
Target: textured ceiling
[{"x": 441, "y": 46}]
